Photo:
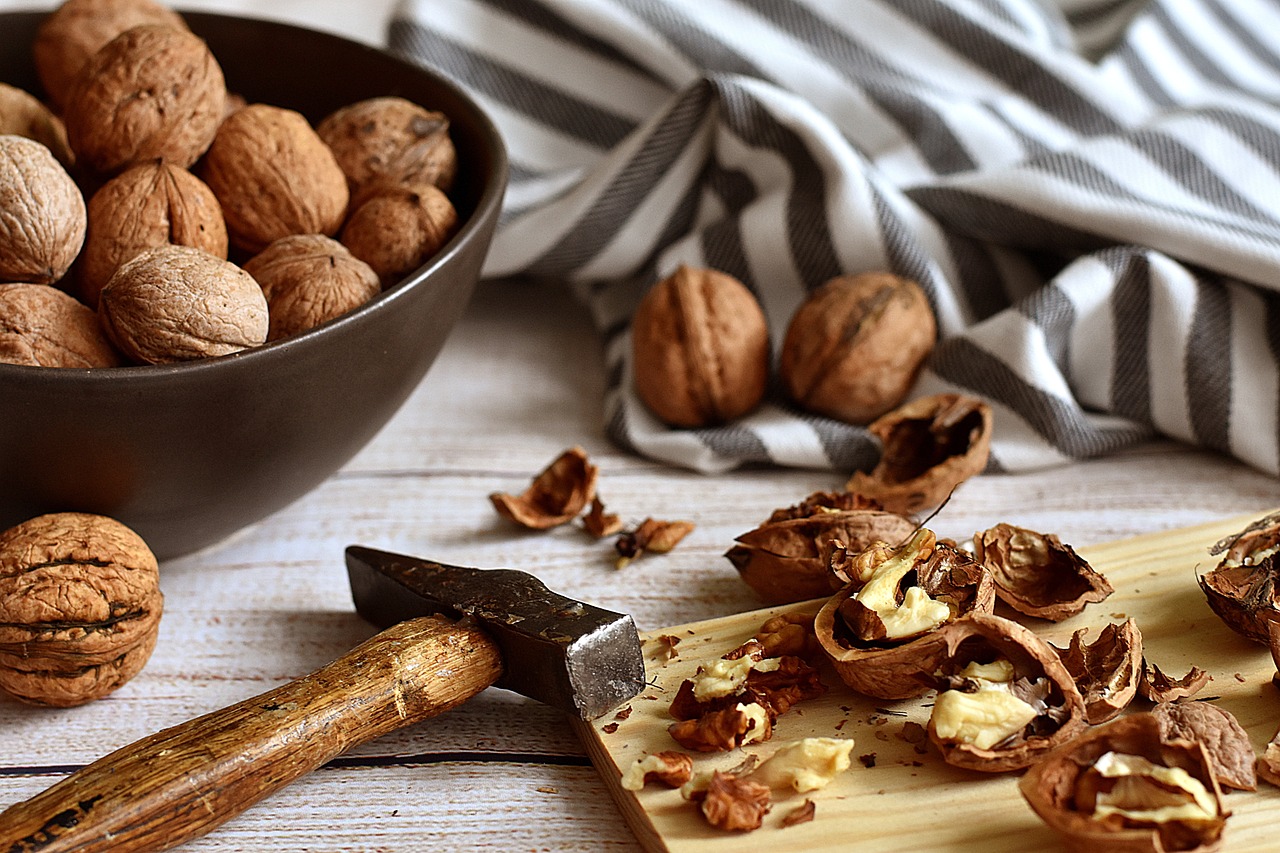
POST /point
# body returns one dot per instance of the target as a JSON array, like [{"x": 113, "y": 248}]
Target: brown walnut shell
[
  {"x": 700, "y": 348},
  {"x": 786, "y": 561},
  {"x": 399, "y": 228},
  {"x": 274, "y": 177},
  {"x": 854, "y": 347},
  {"x": 1059, "y": 788},
  {"x": 309, "y": 279},
  {"x": 1106, "y": 671},
  {"x": 1242, "y": 589},
  {"x": 42, "y": 326},
  {"x": 901, "y": 669},
  {"x": 1225, "y": 741},
  {"x": 929, "y": 447},
  {"x": 21, "y": 114},
  {"x": 1036, "y": 574},
  {"x": 80, "y": 607},
  {"x": 148, "y": 205},
  {"x": 154, "y": 92},
  {"x": 43, "y": 223},
  {"x": 1040, "y": 680},
  {"x": 77, "y": 29},
  {"x": 555, "y": 496},
  {"x": 176, "y": 303},
  {"x": 390, "y": 140}
]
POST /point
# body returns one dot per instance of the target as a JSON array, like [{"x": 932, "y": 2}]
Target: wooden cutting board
[{"x": 908, "y": 799}]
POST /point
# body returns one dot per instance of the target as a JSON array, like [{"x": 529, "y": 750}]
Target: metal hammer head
[{"x": 567, "y": 654}]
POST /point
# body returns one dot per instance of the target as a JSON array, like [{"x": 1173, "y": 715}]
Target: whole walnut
[
  {"x": 77, "y": 29},
  {"x": 22, "y": 114},
  {"x": 854, "y": 347},
  {"x": 153, "y": 92},
  {"x": 390, "y": 140},
  {"x": 309, "y": 279},
  {"x": 42, "y": 326},
  {"x": 43, "y": 225},
  {"x": 700, "y": 348},
  {"x": 398, "y": 229},
  {"x": 177, "y": 303},
  {"x": 274, "y": 177},
  {"x": 148, "y": 205},
  {"x": 80, "y": 606}
]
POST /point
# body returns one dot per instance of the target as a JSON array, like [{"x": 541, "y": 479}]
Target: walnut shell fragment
[
  {"x": 1004, "y": 698},
  {"x": 929, "y": 447},
  {"x": 44, "y": 219},
  {"x": 555, "y": 496},
  {"x": 1155, "y": 686},
  {"x": 1123, "y": 787},
  {"x": 309, "y": 279},
  {"x": 1037, "y": 574},
  {"x": 80, "y": 607},
  {"x": 1224, "y": 740},
  {"x": 880, "y": 631},
  {"x": 1242, "y": 589},
  {"x": 390, "y": 140},
  {"x": 651, "y": 536},
  {"x": 41, "y": 326},
  {"x": 1106, "y": 671}
]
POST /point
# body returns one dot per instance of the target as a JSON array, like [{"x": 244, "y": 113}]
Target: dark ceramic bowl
[{"x": 187, "y": 454}]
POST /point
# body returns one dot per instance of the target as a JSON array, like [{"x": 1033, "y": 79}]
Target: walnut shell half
[
  {"x": 1107, "y": 671},
  {"x": 1242, "y": 589},
  {"x": 1037, "y": 574}
]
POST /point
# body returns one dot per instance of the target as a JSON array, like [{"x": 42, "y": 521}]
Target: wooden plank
[{"x": 910, "y": 799}]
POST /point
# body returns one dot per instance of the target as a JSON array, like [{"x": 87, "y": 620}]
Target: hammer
[{"x": 453, "y": 631}]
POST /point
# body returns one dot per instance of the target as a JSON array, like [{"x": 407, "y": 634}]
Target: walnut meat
[
  {"x": 274, "y": 177},
  {"x": 42, "y": 326},
  {"x": 854, "y": 347},
  {"x": 148, "y": 205},
  {"x": 22, "y": 115},
  {"x": 77, "y": 29},
  {"x": 176, "y": 303},
  {"x": 397, "y": 229},
  {"x": 80, "y": 607},
  {"x": 309, "y": 279},
  {"x": 44, "y": 219},
  {"x": 390, "y": 140},
  {"x": 700, "y": 348},
  {"x": 154, "y": 92}
]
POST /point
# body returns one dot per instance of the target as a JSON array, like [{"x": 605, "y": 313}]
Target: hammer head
[{"x": 570, "y": 655}]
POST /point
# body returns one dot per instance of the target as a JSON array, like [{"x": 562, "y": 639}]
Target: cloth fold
[{"x": 1086, "y": 190}]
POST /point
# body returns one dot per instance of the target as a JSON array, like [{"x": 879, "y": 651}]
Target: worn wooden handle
[{"x": 182, "y": 782}]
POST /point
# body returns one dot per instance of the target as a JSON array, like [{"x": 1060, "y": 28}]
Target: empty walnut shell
[
  {"x": 1064, "y": 788},
  {"x": 786, "y": 561},
  {"x": 555, "y": 496},
  {"x": 900, "y": 669},
  {"x": 1039, "y": 680},
  {"x": 1106, "y": 671},
  {"x": 929, "y": 446},
  {"x": 44, "y": 219},
  {"x": 80, "y": 607},
  {"x": 399, "y": 228},
  {"x": 42, "y": 326},
  {"x": 1225, "y": 741},
  {"x": 854, "y": 347},
  {"x": 309, "y": 279},
  {"x": 1242, "y": 588},
  {"x": 390, "y": 140},
  {"x": 1036, "y": 574},
  {"x": 21, "y": 114}
]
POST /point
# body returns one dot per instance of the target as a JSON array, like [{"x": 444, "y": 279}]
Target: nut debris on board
[{"x": 1108, "y": 670}]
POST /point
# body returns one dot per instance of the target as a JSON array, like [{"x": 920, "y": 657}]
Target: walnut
[
  {"x": 723, "y": 729},
  {"x": 1036, "y": 574},
  {"x": 700, "y": 348},
  {"x": 77, "y": 29},
  {"x": 390, "y": 140},
  {"x": 176, "y": 303},
  {"x": 651, "y": 536},
  {"x": 44, "y": 219},
  {"x": 1106, "y": 671},
  {"x": 309, "y": 279},
  {"x": 930, "y": 446},
  {"x": 1122, "y": 786},
  {"x": 399, "y": 228},
  {"x": 1242, "y": 588},
  {"x": 274, "y": 177},
  {"x": 557, "y": 494},
  {"x": 21, "y": 114},
  {"x": 42, "y": 326},
  {"x": 854, "y": 347},
  {"x": 733, "y": 804},
  {"x": 148, "y": 205},
  {"x": 80, "y": 607},
  {"x": 669, "y": 768},
  {"x": 1224, "y": 740},
  {"x": 154, "y": 92},
  {"x": 789, "y": 634}
]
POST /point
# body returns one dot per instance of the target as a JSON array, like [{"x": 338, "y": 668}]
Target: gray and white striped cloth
[{"x": 1089, "y": 191}]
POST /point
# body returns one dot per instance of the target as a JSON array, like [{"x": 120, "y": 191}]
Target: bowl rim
[{"x": 488, "y": 203}]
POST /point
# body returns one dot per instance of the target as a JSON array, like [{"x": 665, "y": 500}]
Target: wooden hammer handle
[{"x": 180, "y": 783}]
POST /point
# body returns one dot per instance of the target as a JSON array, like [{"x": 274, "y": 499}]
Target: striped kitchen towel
[{"x": 1089, "y": 192}]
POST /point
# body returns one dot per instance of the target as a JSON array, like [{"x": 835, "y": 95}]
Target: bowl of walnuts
[{"x": 229, "y": 251}]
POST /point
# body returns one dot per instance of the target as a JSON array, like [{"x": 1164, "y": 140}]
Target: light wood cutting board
[{"x": 910, "y": 800}]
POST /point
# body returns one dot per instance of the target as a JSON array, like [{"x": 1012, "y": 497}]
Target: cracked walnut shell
[
  {"x": 1037, "y": 574},
  {"x": 1107, "y": 671},
  {"x": 43, "y": 219},
  {"x": 309, "y": 279},
  {"x": 80, "y": 606},
  {"x": 1242, "y": 588},
  {"x": 41, "y": 326}
]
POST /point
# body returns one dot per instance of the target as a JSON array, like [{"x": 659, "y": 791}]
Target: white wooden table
[{"x": 514, "y": 386}]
